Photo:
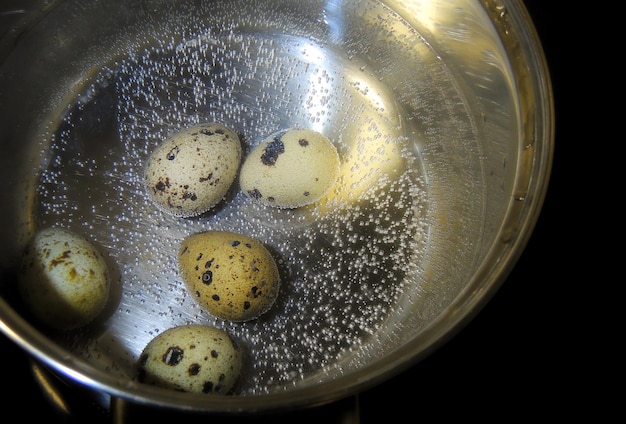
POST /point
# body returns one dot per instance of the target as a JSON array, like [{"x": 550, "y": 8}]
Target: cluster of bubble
[{"x": 344, "y": 264}]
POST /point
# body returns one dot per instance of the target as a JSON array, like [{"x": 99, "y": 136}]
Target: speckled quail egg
[
  {"x": 191, "y": 358},
  {"x": 191, "y": 172},
  {"x": 233, "y": 276},
  {"x": 63, "y": 279},
  {"x": 290, "y": 169}
]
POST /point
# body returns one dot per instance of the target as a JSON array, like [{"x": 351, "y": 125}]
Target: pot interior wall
[{"x": 418, "y": 97}]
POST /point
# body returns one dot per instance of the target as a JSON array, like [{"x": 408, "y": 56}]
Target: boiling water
[{"x": 346, "y": 262}]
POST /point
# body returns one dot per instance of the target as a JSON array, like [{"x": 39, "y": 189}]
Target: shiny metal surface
[{"x": 441, "y": 112}]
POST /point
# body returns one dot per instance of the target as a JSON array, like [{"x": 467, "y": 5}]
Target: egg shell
[
  {"x": 191, "y": 358},
  {"x": 290, "y": 169},
  {"x": 191, "y": 172},
  {"x": 233, "y": 276},
  {"x": 64, "y": 279}
]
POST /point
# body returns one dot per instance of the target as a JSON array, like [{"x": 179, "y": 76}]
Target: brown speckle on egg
[
  {"x": 173, "y": 356},
  {"x": 194, "y": 369},
  {"x": 271, "y": 151}
]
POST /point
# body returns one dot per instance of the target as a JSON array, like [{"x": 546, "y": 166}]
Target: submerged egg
[
  {"x": 191, "y": 172},
  {"x": 191, "y": 358},
  {"x": 233, "y": 276},
  {"x": 64, "y": 280},
  {"x": 290, "y": 169}
]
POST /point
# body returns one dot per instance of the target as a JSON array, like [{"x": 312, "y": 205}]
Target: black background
[{"x": 515, "y": 360}]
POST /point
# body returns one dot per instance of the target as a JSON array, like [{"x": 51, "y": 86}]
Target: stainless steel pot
[{"x": 442, "y": 114}]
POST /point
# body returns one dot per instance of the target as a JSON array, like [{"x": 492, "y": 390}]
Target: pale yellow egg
[
  {"x": 191, "y": 172},
  {"x": 191, "y": 358},
  {"x": 290, "y": 169},
  {"x": 64, "y": 279}
]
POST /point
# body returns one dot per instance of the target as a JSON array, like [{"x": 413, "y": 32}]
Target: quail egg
[
  {"x": 191, "y": 358},
  {"x": 63, "y": 279},
  {"x": 233, "y": 276},
  {"x": 191, "y": 172},
  {"x": 290, "y": 169}
]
